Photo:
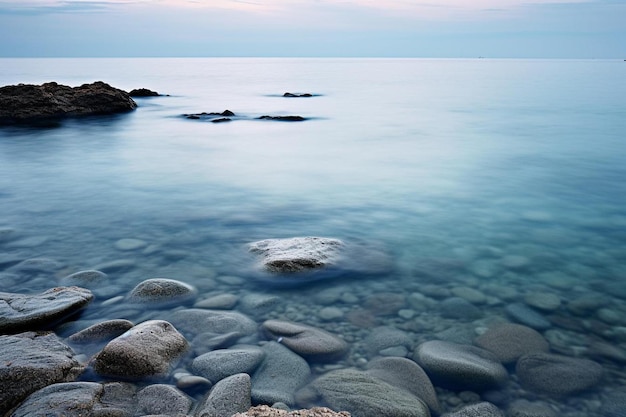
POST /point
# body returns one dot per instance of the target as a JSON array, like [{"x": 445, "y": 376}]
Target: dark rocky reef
[
  {"x": 283, "y": 118},
  {"x": 143, "y": 92},
  {"x": 297, "y": 95},
  {"x": 47, "y": 104}
]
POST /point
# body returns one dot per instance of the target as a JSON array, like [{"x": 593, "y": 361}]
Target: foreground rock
[
  {"x": 30, "y": 361},
  {"x": 229, "y": 396},
  {"x": 42, "y": 104},
  {"x": 162, "y": 291},
  {"x": 267, "y": 411},
  {"x": 509, "y": 341},
  {"x": 20, "y": 312},
  {"x": 297, "y": 254},
  {"x": 148, "y": 350},
  {"x": 221, "y": 363}
]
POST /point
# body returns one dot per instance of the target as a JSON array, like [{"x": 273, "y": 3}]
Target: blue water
[{"x": 505, "y": 176}]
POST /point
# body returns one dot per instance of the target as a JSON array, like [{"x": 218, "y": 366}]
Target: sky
[{"x": 587, "y": 29}]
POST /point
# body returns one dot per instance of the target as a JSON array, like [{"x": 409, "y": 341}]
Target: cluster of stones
[
  {"x": 201, "y": 361},
  {"x": 227, "y": 116}
]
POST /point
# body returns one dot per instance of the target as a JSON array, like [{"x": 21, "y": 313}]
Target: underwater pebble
[
  {"x": 129, "y": 244},
  {"x": 219, "y": 302},
  {"x": 469, "y": 294},
  {"x": 543, "y": 301},
  {"x": 330, "y": 313}
]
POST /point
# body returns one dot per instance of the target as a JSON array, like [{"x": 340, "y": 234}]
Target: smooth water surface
[{"x": 505, "y": 177}]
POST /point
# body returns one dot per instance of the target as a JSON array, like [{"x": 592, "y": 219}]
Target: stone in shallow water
[
  {"x": 557, "y": 375},
  {"x": 130, "y": 244},
  {"x": 543, "y": 301},
  {"x": 195, "y": 321},
  {"x": 526, "y": 315},
  {"x": 483, "y": 409},
  {"x": 163, "y": 399},
  {"x": 229, "y": 396},
  {"x": 221, "y": 363},
  {"x": 297, "y": 254},
  {"x": 383, "y": 337},
  {"x": 20, "y": 312},
  {"x": 148, "y": 350},
  {"x": 30, "y": 361},
  {"x": 162, "y": 291},
  {"x": 307, "y": 341},
  {"x": 101, "y": 332},
  {"x": 509, "y": 341},
  {"x": 90, "y": 278},
  {"x": 460, "y": 366},
  {"x": 267, "y": 411}
]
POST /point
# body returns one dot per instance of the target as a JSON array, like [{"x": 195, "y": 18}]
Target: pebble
[
  {"x": 130, "y": 244},
  {"x": 509, "y": 341},
  {"x": 543, "y": 301},
  {"x": 330, "y": 313},
  {"x": 469, "y": 294},
  {"x": 525, "y": 315}
]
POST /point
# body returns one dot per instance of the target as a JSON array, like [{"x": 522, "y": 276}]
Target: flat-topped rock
[
  {"x": 143, "y": 92},
  {"x": 297, "y": 254},
  {"x": 40, "y": 104},
  {"x": 195, "y": 321},
  {"x": 221, "y": 363},
  {"x": 30, "y": 361},
  {"x": 20, "y": 312}
]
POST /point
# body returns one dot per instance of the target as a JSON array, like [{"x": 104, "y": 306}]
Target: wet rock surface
[
  {"x": 266, "y": 411},
  {"x": 297, "y": 254},
  {"x": 162, "y": 291},
  {"x": 40, "y": 104},
  {"x": 142, "y": 92},
  {"x": 509, "y": 341}
]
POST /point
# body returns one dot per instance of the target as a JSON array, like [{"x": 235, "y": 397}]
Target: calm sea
[{"x": 495, "y": 180}]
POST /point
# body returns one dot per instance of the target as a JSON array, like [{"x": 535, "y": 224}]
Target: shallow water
[{"x": 503, "y": 176}]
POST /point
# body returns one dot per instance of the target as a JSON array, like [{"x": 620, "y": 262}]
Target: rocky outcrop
[
  {"x": 143, "y": 92},
  {"x": 283, "y": 118},
  {"x": 28, "y": 104},
  {"x": 297, "y": 95},
  {"x": 297, "y": 254},
  {"x": 162, "y": 291}
]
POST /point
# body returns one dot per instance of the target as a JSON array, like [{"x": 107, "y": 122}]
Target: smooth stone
[
  {"x": 162, "y": 291},
  {"x": 460, "y": 366},
  {"x": 219, "y": 364},
  {"x": 406, "y": 314},
  {"x": 547, "y": 373},
  {"x": 399, "y": 351},
  {"x": 195, "y": 321},
  {"x": 118, "y": 265},
  {"x": 459, "y": 308},
  {"x": 192, "y": 382},
  {"x": 525, "y": 408},
  {"x": 297, "y": 254},
  {"x": 381, "y": 338},
  {"x": 148, "y": 350},
  {"x": 218, "y": 302},
  {"x": 483, "y": 409},
  {"x": 79, "y": 399},
  {"x": 101, "y": 332},
  {"x": 275, "y": 411},
  {"x": 206, "y": 342},
  {"x": 307, "y": 341},
  {"x": 586, "y": 304},
  {"x": 385, "y": 303},
  {"x": 229, "y": 396},
  {"x": 407, "y": 375},
  {"x": 509, "y": 341},
  {"x": 163, "y": 399},
  {"x": 543, "y": 301},
  {"x": 20, "y": 312},
  {"x": 469, "y": 294},
  {"x": 527, "y": 316},
  {"x": 30, "y": 361},
  {"x": 608, "y": 351},
  {"x": 142, "y": 92},
  {"x": 610, "y": 316},
  {"x": 258, "y": 304},
  {"x": 91, "y": 279},
  {"x": 280, "y": 374},
  {"x": 130, "y": 244},
  {"x": 7, "y": 233},
  {"x": 36, "y": 265},
  {"x": 364, "y": 395},
  {"x": 330, "y": 313}
]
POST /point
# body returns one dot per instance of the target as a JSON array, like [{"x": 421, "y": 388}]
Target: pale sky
[{"x": 343, "y": 28}]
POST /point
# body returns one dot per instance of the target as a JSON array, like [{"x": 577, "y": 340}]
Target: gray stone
[
  {"x": 258, "y": 304},
  {"x": 130, "y": 244},
  {"x": 195, "y": 321},
  {"x": 205, "y": 342},
  {"x": 229, "y": 396},
  {"x": 460, "y": 366},
  {"x": 31, "y": 361},
  {"x": 37, "y": 265},
  {"x": 469, "y": 294},
  {"x": 90, "y": 278},
  {"x": 218, "y": 302},
  {"x": 526, "y": 315},
  {"x": 543, "y": 301},
  {"x": 557, "y": 375},
  {"x": 101, "y": 332},
  {"x": 78, "y": 399},
  {"x": 364, "y": 395},
  {"x": 274, "y": 411},
  {"x": 162, "y": 291},
  {"x": 483, "y": 409},
  {"x": 509, "y": 341},
  {"x": 307, "y": 341},
  {"x": 525, "y": 408},
  {"x": 221, "y": 363},
  {"x": 279, "y": 375},
  {"x": 148, "y": 350},
  {"x": 330, "y": 313},
  {"x": 193, "y": 382},
  {"x": 297, "y": 254},
  {"x": 163, "y": 399},
  {"x": 407, "y": 375},
  {"x": 459, "y": 308},
  {"x": 20, "y": 312},
  {"x": 381, "y": 338}
]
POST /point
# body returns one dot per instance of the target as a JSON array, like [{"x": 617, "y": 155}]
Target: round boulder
[
  {"x": 162, "y": 291},
  {"x": 221, "y": 363},
  {"x": 509, "y": 341}
]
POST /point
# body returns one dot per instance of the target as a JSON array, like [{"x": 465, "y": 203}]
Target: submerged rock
[
  {"x": 221, "y": 363},
  {"x": 229, "y": 396},
  {"x": 297, "y": 254},
  {"x": 509, "y": 341},
  {"x": 297, "y": 95},
  {"x": 283, "y": 118},
  {"x": 36, "y": 104},
  {"x": 483, "y": 409},
  {"x": 30, "y": 361},
  {"x": 162, "y": 291},
  {"x": 163, "y": 399},
  {"x": 20, "y": 312},
  {"x": 143, "y": 92}
]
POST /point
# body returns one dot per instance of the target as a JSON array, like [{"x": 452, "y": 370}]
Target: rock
[
  {"x": 78, "y": 399},
  {"x": 118, "y": 265},
  {"x": 330, "y": 314},
  {"x": 101, "y": 332},
  {"x": 31, "y": 361},
  {"x": 206, "y": 342},
  {"x": 257, "y": 305},
  {"x": 20, "y": 312},
  {"x": 364, "y": 395},
  {"x": 297, "y": 95},
  {"x": 267, "y": 411},
  {"x": 41, "y": 104},
  {"x": 307, "y": 341},
  {"x": 219, "y": 302},
  {"x": 283, "y": 118},
  {"x": 143, "y": 92},
  {"x": 162, "y": 291},
  {"x": 163, "y": 399},
  {"x": 525, "y": 408},
  {"x": 229, "y": 396},
  {"x": 483, "y": 409},
  {"x": 469, "y": 294},
  {"x": 37, "y": 265},
  {"x": 297, "y": 254},
  {"x": 221, "y": 120},
  {"x": 148, "y": 350},
  {"x": 407, "y": 375},
  {"x": 543, "y": 301},
  {"x": 128, "y": 244},
  {"x": 381, "y": 338},
  {"x": 557, "y": 375},
  {"x": 526, "y": 315},
  {"x": 195, "y": 321},
  {"x": 509, "y": 341},
  {"x": 459, "y": 308},
  {"x": 279, "y": 375},
  {"x": 219, "y": 364},
  {"x": 91, "y": 279},
  {"x": 614, "y": 404},
  {"x": 460, "y": 366},
  {"x": 385, "y": 303}
]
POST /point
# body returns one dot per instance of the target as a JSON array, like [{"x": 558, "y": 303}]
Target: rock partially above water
[
  {"x": 297, "y": 254},
  {"x": 20, "y": 312},
  {"x": 40, "y": 104},
  {"x": 143, "y": 92},
  {"x": 30, "y": 361},
  {"x": 297, "y": 95},
  {"x": 283, "y": 118},
  {"x": 162, "y": 291}
]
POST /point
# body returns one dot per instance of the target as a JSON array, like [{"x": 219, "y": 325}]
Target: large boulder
[
  {"x": 221, "y": 363},
  {"x": 148, "y": 350},
  {"x": 30, "y": 361},
  {"x": 20, "y": 312},
  {"x": 510, "y": 341},
  {"x": 36, "y": 104}
]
